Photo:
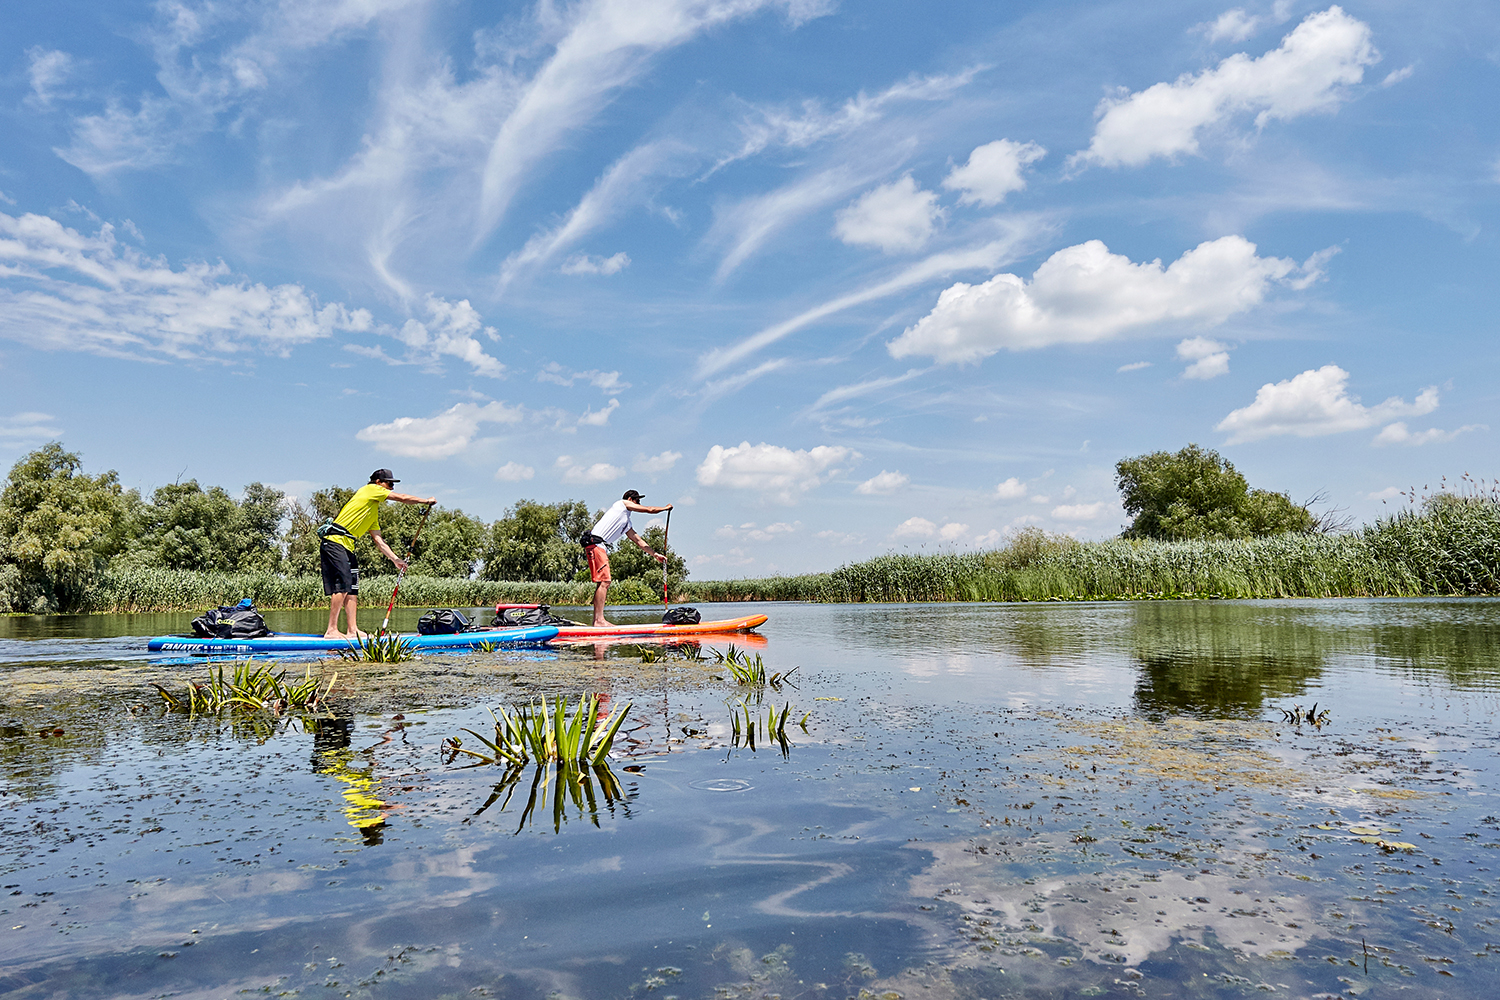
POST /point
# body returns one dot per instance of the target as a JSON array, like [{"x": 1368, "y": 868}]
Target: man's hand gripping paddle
[
  {"x": 410, "y": 551},
  {"x": 664, "y": 532}
]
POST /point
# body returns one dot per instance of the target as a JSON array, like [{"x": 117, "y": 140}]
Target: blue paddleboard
[{"x": 534, "y": 635}]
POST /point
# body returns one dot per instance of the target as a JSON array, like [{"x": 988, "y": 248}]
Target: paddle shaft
[
  {"x": 410, "y": 551},
  {"x": 665, "y": 531}
]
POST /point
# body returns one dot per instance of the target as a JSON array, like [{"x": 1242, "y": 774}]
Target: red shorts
[{"x": 598, "y": 563}]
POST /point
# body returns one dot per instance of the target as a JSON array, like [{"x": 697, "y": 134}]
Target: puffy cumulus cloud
[
  {"x": 771, "y": 471},
  {"x": 840, "y": 537},
  {"x": 1315, "y": 403},
  {"x": 587, "y": 475},
  {"x": 993, "y": 171},
  {"x": 1398, "y": 433},
  {"x": 894, "y": 217},
  {"x": 1209, "y": 358},
  {"x": 753, "y": 532},
  {"x": 1011, "y": 489},
  {"x": 1310, "y": 72},
  {"x": 1231, "y": 26},
  {"x": 1085, "y": 294},
  {"x": 915, "y": 527},
  {"x": 953, "y": 531},
  {"x": 584, "y": 264},
  {"x": 514, "y": 472},
  {"x": 440, "y": 436},
  {"x": 65, "y": 290},
  {"x": 883, "y": 484},
  {"x": 450, "y": 330},
  {"x": 28, "y": 427},
  {"x": 654, "y": 465},
  {"x": 598, "y": 418},
  {"x": 1082, "y": 511}
]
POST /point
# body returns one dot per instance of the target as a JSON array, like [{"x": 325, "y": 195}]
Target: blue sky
[{"x": 836, "y": 278}]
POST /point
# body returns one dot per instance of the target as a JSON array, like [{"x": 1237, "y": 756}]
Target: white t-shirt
[{"x": 615, "y": 522}]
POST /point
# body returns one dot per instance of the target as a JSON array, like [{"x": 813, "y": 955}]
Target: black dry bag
[
  {"x": 522, "y": 617},
  {"x": 239, "y": 622},
  {"x": 444, "y": 621},
  {"x": 682, "y": 616}
]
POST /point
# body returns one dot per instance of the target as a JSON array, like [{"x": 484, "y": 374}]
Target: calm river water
[{"x": 987, "y": 801}]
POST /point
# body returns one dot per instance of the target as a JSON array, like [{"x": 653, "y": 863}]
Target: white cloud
[
  {"x": 587, "y": 475},
  {"x": 843, "y": 393},
  {"x": 883, "y": 484},
  {"x": 915, "y": 527},
  {"x": 656, "y": 464},
  {"x": 1398, "y": 433},
  {"x": 605, "y": 381},
  {"x": 754, "y": 533},
  {"x": 1315, "y": 403},
  {"x": 449, "y": 331},
  {"x": 1309, "y": 73},
  {"x": 1082, "y": 511},
  {"x": 63, "y": 290},
  {"x": 598, "y": 418},
  {"x": 1390, "y": 492},
  {"x": 953, "y": 531},
  {"x": 840, "y": 537},
  {"x": 744, "y": 226},
  {"x": 894, "y": 217},
  {"x": 584, "y": 264},
  {"x": 1134, "y": 366},
  {"x": 770, "y": 471},
  {"x": 993, "y": 171},
  {"x": 988, "y": 256},
  {"x": 1231, "y": 26},
  {"x": 1395, "y": 76},
  {"x": 48, "y": 70},
  {"x": 514, "y": 472},
  {"x": 441, "y": 436},
  {"x": 25, "y": 428},
  {"x": 1209, "y": 358},
  {"x": 1085, "y": 294},
  {"x": 1011, "y": 489}
]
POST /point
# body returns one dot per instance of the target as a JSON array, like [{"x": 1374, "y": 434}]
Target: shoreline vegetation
[{"x": 1449, "y": 545}]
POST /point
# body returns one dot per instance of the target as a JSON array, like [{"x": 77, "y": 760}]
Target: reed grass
[
  {"x": 745, "y": 721},
  {"x": 385, "y": 648},
  {"x": 747, "y": 672}
]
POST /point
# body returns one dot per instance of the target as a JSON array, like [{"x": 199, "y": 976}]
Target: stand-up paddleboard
[
  {"x": 727, "y": 625},
  {"x": 531, "y": 635}
]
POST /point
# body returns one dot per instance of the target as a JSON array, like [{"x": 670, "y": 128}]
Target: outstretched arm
[
  {"x": 641, "y": 508},
  {"x": 386, "y": 551},
  {"x": 408, "y": 498},
  {"x": 644, "y": 545}
]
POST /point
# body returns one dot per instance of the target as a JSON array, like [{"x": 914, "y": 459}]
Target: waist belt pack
[
  {"x": 239, "y": 622},
  {"x": 682, "y": 616},
  {"x": 589, "y": 538},
  {"x": 443, "y": 621},
  {"x": 330, "y": 527}
]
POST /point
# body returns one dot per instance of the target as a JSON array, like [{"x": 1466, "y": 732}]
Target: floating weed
[
  {"x": 487, "y": 647},
  {"x": 650, "y": 654},
  {"x": 249, "y": 686},
  {"x": 537, "y": 732},
  {"x": 1297, "y": 715},
  {"x": 388, "y": 648}
]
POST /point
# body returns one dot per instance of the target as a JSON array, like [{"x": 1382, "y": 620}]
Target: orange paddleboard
[{"x": 566, "y": 633}]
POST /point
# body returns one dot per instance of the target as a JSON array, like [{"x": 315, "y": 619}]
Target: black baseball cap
[
  {"x": 383, "y": 476},
  {"x": 633, "y": 495}
]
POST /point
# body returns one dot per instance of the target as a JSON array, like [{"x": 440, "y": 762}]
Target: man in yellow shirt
[{"x": 360, "y": 516}]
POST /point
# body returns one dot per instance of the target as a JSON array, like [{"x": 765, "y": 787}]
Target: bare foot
[
  {"x": 357, "y": 636},
  {"x": 599, "y": 623},
  {"x": 333, "y": 633}
]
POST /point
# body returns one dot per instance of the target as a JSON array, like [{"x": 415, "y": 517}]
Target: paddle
[
  {"x": 410, "y": 551},
  {"x": 664, "y": 532}
]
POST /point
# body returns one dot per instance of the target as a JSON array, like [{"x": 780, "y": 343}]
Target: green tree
[
  {"x": 58, "y": 528},
  {"x": 1196, "y": 493},
  {"x": 538, "y": 541},
  {"x": 629, "y": 562},
  {"x": 187, "y": 527}
]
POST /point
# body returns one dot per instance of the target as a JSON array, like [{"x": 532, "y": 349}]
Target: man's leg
[
  {"x": 601, "y": 589},
  {"x": 335, "y": 605},
  {"x": 351, "y": 617}
]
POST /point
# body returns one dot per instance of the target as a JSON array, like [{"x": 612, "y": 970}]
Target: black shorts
[{"x": 340, "y": 569}]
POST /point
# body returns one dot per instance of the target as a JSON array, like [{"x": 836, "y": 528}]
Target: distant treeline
[{"x": 70, "y": 541}]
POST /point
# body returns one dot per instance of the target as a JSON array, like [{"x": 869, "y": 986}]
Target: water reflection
[{"x": 566, "y": 785}]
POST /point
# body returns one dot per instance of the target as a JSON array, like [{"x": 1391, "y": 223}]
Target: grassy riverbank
[{"x": 1450, "y": 546}]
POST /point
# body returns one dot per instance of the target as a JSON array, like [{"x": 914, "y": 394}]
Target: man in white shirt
[{"x": 614, "y": 524}]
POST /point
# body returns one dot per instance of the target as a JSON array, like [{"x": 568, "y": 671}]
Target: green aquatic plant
[
  {"x": 589, "y": 788},
  {"x": 487, "y": 647},
  {"x": 744, "y": 722},
  {"x": 747, "y": 672},
  {"x": 545, "y": 734},
  {"x": 387, "y": 648},
  {"x": 249, "y": 686}
]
